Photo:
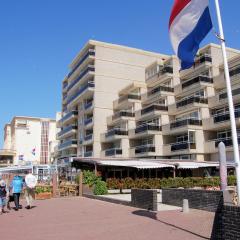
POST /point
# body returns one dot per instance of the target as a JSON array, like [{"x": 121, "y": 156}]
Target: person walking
[
  {"x": 16, "y": 187},
  {"x": 30, "y": 182},
  {"x": 3, "y": 196}
]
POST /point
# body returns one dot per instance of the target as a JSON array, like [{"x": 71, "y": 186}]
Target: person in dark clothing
[{"x": 3, "y": 196}]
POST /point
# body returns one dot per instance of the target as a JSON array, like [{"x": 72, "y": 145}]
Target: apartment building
[
  {"x": 100, "y": 74},
  {"x": 129, "y": 103},
  {"x": 29, "y": 139}
]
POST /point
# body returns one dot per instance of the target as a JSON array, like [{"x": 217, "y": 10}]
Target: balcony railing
[
  {"x": 66, "y": 130},
  {"x": 118, "y": 132},
  {"x": 122, "y": 114},
  {"x": 78, "y": 79},
  {"x": 88, "y": 105},
  {"x": 80, "y": 91},
  {"x": 67, "y": 144},
  {"x": 185, "y": 122},
  {"x": 90, "y": 52},
  {"x": 153, "y": 108},
  {"x": 144, "y": 149},
  {"x": 69, "y": 116},
  {"x": 65, "y": 85},
  {"x": 195, "y": 80},
  {"x": 234, "y": 71},
  {"x": 88, "y": 137},
  {"x": 203, "y": 58},
  {"x": 113, "y": 152},
  {"x": 227, "y": 141},
  {"x": 147, "y": 127},
  {"x": 192, "y": 100},
  {"x": 129, "y": 96},
  {"x": 160, "y": 89},
  {"x": 182, "y": 146},
  {"x": 88, "y": 154},
  {"x": 234, "y": 93},
  {"x": 88, "y": 121},
  {"x": 225, "y": 116},
  {"x": 166, "y": 69}
]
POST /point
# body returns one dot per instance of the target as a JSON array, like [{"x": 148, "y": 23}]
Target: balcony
[
  {"x": 218, "y": 118},
  {"x": 129, "y": 97},
  {"x": 88, "y": 121},
  {"x": 89, "y": 105},
  {"x": 113, "y": 152},
  {"x": 88, "y": 154},
  {"x": 80, "y": 91},
  {"x": 227, "y": 141},
  {"x": 153, "y": 108},
  {"x": 90, "y": 52},
  {"x": 90, "y": 68},
  {"x": 199, "y": 79},
  {"x": 159, "y": 90},
  {"x": 191, "y": 100},
  {"x": 67, "y": 131},
  {"x": 145, "y": 149},
  {"x": 180, "y": 146},
  {"x": 185, "y": 122},
  {"x": 118, "y": 132},
  {"x": 235, "y": 71},
  {"x": 67, "y": 144},
  {"x": 122, "y": 114},
  {"x": 224, "y": 95},
  {"x": 147, "y": 127},
  {"x": 68, "y": 117},
  {"x": 88, "y": 138}
]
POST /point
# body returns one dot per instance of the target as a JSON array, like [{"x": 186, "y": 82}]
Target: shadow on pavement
[{"x": 153, "y": 215}]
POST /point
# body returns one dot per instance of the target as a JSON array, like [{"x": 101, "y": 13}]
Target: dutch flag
[{"x": 189, "y": 24}]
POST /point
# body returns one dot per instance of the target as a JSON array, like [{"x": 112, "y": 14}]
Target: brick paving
[{"x": 83, "y": 218}]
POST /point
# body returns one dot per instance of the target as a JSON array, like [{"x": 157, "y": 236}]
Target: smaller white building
[{"x": 32, "y": 139}]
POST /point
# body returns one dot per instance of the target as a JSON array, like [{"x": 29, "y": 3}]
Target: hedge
[{"x": 157, "y": 183}]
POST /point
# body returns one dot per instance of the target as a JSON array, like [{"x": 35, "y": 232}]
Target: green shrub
[
  {"x": 156, "y": 183},
  {"x": 90, "y": 178},
  {"x": 42, "y": 189},
  {"x": 100, "y": 188}
]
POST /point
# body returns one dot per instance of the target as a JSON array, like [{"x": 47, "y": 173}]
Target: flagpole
[{"x": 230, "y": 100}]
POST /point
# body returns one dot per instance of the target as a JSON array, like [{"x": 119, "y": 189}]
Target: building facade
[
  {"x": 30, "y": 139},
  {"x": 120, "y": 102}
]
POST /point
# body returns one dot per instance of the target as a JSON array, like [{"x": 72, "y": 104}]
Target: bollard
[{"x": 185, "y": 208}]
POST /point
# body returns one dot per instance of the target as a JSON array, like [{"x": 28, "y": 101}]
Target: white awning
[
  {"x": 136, "y": 164},
  {"x": 15, "y": 168},
  {"x": 195, "y": 165}
]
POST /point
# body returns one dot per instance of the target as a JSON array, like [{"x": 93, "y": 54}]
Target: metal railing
[
  {"x": 234, "y": 71},
  {"x": 68, "y": 116},
  {"x": 182, "y": 146},
  {"x": 88, "y": 121},
  {"x": 88, "y": 105},
  {"x": 66, "y": 144},
  {"x": 225, "y": 116},
  {"x": 185, "y": 122},
  {"x": 191, "y": 100},
  {"x": 129, "y": 96},
  {"x": 147, "y": 127},
  {"x": 113, "y": 152},
  {"x": 224, "y": 94},
  {"x": 88, "y": 137},
  {"x": 88, "y": 69},
  {"x": 123, "y": 114},
  {"x": 160, "y": 89},
  {"x": 119, "y": 132},
  {"x": 152, "y": 108},
  {"x": 88, "y": 154},
  {"x": 90, "y": 52},
  {"x": 66, "y": 130},
  {"x": 227, "y": 141},
  {"x": 144, "y": 149},
  {"x": 195, "y": 80},
  {"x": 80, "y": 91}
]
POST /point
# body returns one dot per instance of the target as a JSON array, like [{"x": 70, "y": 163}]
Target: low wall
[
  {"x": 198, "y": 199},
  {"x": 144, "y": 198},
  {"x": 226, "y": 223}
]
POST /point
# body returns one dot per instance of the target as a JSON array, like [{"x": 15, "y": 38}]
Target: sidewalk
[{"x": 83, "y": 218}]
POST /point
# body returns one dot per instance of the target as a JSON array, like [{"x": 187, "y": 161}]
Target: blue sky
[{"x": 40, "y": 38}]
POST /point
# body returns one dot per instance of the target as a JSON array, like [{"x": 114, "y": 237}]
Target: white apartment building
[
  {"x": 30, "y": 139},
  {"x": 120, "y": 102},
  {"x": 96, "y": 77}
]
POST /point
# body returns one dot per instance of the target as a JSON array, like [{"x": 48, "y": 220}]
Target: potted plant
[{"x": 43, "y": 192}]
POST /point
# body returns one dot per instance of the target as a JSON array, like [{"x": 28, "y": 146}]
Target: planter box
[{"x": 43, "y": 196}]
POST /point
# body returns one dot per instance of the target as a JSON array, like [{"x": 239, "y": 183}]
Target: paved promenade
[{"x": 87, "y": 219}]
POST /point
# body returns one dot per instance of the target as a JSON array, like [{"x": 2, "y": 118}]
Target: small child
[{"x": 3, "y": 196}]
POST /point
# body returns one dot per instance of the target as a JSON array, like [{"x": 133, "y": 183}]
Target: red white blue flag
[{"x": 189, "y": 24}]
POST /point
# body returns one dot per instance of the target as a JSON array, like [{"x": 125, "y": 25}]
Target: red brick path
[{"x": 86, "y": 219}]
